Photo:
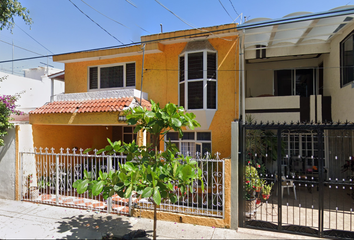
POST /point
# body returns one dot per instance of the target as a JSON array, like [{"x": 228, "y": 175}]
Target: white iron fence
[{"x": 50, "y": 181}]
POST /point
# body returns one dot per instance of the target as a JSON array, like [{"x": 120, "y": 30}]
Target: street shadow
[{"x": 96, "y": 226}]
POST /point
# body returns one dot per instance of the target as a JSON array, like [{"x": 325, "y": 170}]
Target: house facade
[
  {"x": 195, "y": 69},
  {"x": 300, "y": 69}
]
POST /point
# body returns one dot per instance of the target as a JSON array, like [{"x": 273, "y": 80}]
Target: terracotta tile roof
[
  {"x": 20, "y": 118},
  {"x": 91, "y": 105}
]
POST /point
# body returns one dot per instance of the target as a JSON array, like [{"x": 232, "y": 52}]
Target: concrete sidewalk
[{"x": 37, "y": 221}]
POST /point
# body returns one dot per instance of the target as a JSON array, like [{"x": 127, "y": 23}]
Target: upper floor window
[
  {"x": 197, "y": 80},
  {"x": 294, "y": 82},
  {"x": 112, "y": 76},
  {"x": 347, "y": 60}
]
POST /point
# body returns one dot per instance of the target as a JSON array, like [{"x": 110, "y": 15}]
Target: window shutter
[
  {"x": 130, "y": 75},
  {"x": 111, "y": 77},
  {"x": 211, "y": 71},
  {"x": 181, "y": 68},
  {"x": 93, "y": 75},
  {"x": 195, "y": 65},
  {"x": 181, "y": 95},
  {"x": 195, "y": 95},
  {"x": 211, "y": 95}
]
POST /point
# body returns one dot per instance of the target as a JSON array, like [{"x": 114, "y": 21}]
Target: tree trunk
[{"x": 155, "y": 221}]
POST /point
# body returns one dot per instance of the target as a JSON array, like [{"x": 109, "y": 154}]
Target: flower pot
[
  {"x": 250, "y": 207},
  {"x": 265, "y": 196},
  {"x": 34, "y": 193}
]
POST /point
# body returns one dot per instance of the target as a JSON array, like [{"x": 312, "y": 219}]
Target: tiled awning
[{"x": 91, "y": 105}]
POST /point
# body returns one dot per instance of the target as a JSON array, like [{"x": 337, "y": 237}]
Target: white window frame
[
  {"x": 292, "y": 151},
  {"x": 204, "y": 79},
  {"x": 99, "y": 75},
  {"x": 195, "y": 141}
]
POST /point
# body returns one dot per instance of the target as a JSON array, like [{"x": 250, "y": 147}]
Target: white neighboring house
[{"x": 37, "y": 88}]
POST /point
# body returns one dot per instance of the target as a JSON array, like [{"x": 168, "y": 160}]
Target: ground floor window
[
  {"x": 192, "y": 142},
  {"x": 301, "y": 152},
  {"x": 123, "y": 133}
]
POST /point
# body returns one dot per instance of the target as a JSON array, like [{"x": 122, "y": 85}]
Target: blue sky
[{"x": 60, "y": 27}]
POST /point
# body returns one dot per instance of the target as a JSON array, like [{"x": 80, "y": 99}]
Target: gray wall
[{"x": 8, "y": 166}]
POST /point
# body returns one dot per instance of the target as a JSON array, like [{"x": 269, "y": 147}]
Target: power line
[
  {"x": 225, "y": 10},
  {"x": 96, "y": 23},
  {"x": 200, "y": 29},
  {"x": 112, "y": 18},
  {"x": 175, "y": 14},
  {"x": 131, "y": 3},
  {"x": 103, "y": 14},
  {"x": 19, "y": 47},
  {"x": 123, "y": 45},
  {"x": 35, "y": 40},
  {"x": 234, "y": 7}
]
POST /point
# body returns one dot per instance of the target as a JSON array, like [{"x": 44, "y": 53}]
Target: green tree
[
  {"x": 10, "y": 9},
  {"x": 148, "y": 172}
]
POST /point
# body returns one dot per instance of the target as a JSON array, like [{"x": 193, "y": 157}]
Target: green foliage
[
  {"x": 43, "y": 182},
  {"x": 267, "y": 189},
  {"x": 148, "y": 172},
  {"x": 253, "y": 183},
  {"x": 10, "y": 9},
  {"x": 7, "y": 107},
  {"x": 260, "y": 142}
]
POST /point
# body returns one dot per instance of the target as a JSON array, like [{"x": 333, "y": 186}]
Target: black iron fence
[{"x": 298, "y": 178}]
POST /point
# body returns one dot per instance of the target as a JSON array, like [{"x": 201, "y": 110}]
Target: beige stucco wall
[
  {"x": 260, "y": 76},
  {"x": 342, "y": 98}
]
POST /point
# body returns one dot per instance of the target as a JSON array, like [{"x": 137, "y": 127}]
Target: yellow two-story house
[{"x": 196, "y": 69}]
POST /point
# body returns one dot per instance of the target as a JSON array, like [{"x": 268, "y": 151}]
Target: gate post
[
  {"x": 21, "y": 176},
  {"x": 57, "y": 179},
  {"x": 109, "y": 168},
  {"x": 234, "y": 175},
  {"x": 279, "y": 161},
  {"x": 320, "y": 181},
  {"x": 242, "y": 159}
]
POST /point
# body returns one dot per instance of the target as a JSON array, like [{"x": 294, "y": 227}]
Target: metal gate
[{"x": 298, "y": 178}]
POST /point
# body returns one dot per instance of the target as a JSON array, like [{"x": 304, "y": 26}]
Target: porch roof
[
  {"x": 91, "y": 105},
  {"x": 300, "y": 28}
]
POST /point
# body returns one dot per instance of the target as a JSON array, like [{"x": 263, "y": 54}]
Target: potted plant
[
  {"x": 251, "y": 181},
  {"x": 44, "y": 185},
  {"x": 266, "y": 191},
  {"x": 32, "y": 191}
]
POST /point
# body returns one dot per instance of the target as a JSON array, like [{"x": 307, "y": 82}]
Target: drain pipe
[
  {"x": 242, "y": 79},
  {"x": 142, "y": 75}
]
